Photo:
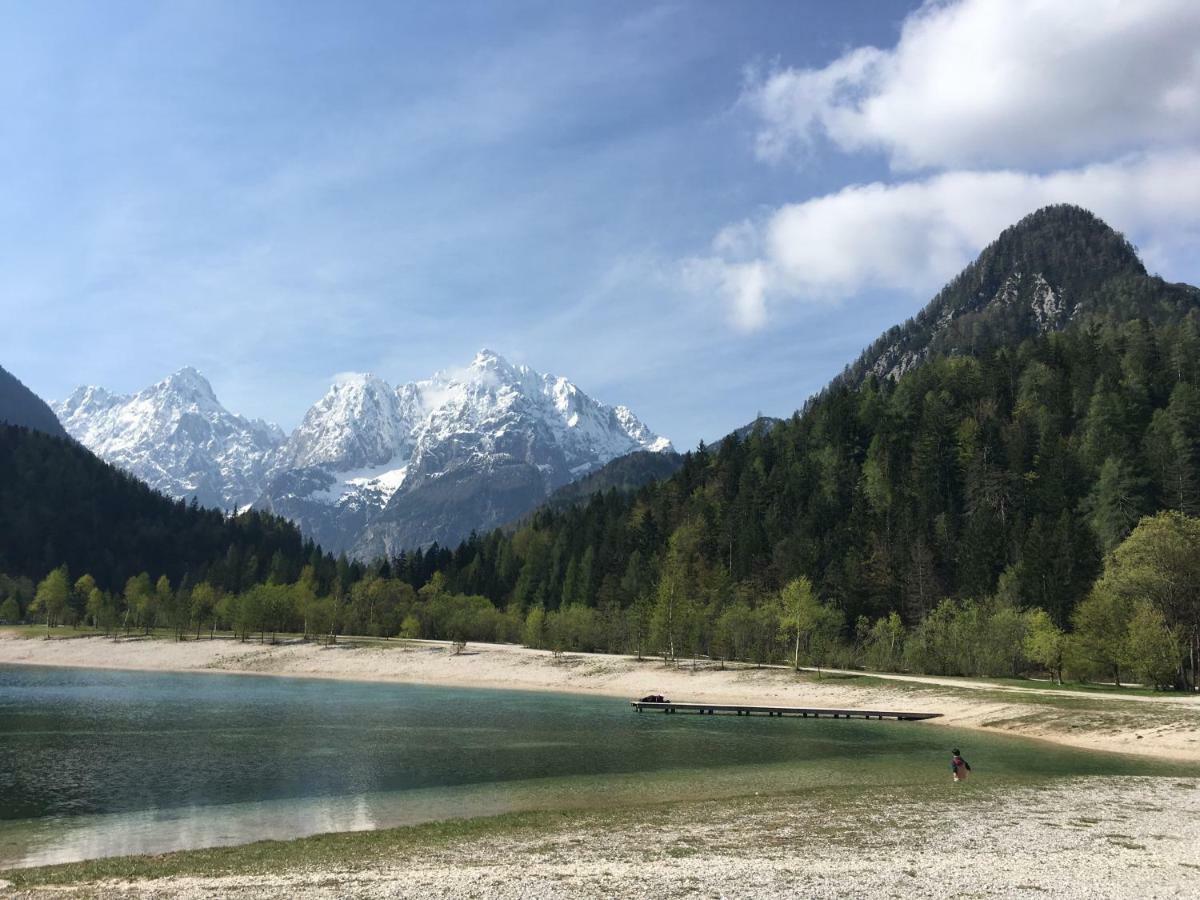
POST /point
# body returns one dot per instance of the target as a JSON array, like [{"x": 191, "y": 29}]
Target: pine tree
[{"x": 1116, "y": 502}]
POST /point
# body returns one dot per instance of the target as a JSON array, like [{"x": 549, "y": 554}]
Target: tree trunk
[{"x": 671, "y": 628}]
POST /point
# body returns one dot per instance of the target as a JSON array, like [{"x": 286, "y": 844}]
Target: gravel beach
[{"x": 1079, "y": 838}]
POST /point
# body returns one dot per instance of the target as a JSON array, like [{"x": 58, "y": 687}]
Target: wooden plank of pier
[{"x": 805, "y": 712}]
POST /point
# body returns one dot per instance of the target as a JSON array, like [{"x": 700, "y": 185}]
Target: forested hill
[
  {"x": 1007, "y": 462},
  {"x": 1055, "y": 267},
  {"x": 59, "y": 504},
  {"x": 21, "y": 406},
  {"x": 624, "y": 474}
]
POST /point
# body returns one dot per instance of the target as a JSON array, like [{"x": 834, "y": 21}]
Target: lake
[{"x": 99, "y": 763}]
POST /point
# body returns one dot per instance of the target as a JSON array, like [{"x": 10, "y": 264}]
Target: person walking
[{"x": 959, "y": 766}]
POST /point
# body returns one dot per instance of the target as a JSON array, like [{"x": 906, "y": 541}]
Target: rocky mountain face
[
  {"x": 1049, "y": 269},
  {"x": 371, "y": 469},
  {"x": 176, "y": 437},
  {"x": 21, "y": 406}
]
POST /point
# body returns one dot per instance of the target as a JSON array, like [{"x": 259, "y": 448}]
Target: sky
[{"x": 700, "y": 210}]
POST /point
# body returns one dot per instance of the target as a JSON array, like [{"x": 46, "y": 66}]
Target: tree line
[{"x": 1131, "y": 625}]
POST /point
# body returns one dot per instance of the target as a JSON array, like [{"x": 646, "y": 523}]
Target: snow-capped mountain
[
  {"x": 177, "y": 437},
  {"x": 373, "y": 470},
  {"x": 361, "y": 421}
]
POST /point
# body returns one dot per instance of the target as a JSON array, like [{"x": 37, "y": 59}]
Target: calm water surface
[{"x": 98, "y": 763}]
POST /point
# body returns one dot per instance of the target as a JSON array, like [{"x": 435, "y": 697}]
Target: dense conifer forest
[{"x": 61, "y": 505}]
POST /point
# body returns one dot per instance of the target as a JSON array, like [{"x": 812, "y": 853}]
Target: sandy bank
[{"x": 1167, "y": 728}]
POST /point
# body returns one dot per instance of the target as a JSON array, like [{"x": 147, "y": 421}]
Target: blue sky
[{"x": 701, "y": 210}]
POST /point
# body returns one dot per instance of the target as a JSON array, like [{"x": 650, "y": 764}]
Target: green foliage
[
  {"x": 1157, "y": 566},
  {"x": 969, "y": 637},
  {"x": 204, "y": 605},
  {"x": 1045, "y": 642},
  {"x": 810, "y": 626},
  {"x": 19, "y": 589},
  {"x": 1099, "y": 645},
  {"x": 883, "y": 643},
  {"x": 10, "y": 610},
  {"x": 623, "y": 475},
  {"x": 51, "y": 598},
  {"x": 1153, "y": 649},
  {"x": 1116, "y": 503}
]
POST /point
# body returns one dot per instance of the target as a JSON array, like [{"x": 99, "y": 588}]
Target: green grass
[
  {"x": 1036, "y": 694},
  {"x": 1030, "y": 685},
  {"x": 65, "y": 632},
  {"x": 59, "y": 632},
  {"x": 1078, "y": 686}
]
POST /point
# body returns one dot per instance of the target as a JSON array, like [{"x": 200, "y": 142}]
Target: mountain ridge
[
  {"x": 21, "y": 406},
  {"x": 1037, "y": 276},
  {"x": 177, "y": 437},
  {"x": 490, "y": 440}
]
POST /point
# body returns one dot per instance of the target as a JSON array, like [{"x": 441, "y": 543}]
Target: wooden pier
[{"x": 804, "y": 712}]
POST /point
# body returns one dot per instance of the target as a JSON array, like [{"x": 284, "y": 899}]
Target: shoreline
[
  {"x": 1088, "y": 837},
  {"x": 1165, "y": 728}
]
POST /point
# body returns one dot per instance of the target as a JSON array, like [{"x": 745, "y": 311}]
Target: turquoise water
[{"x": 98, "y": 763}]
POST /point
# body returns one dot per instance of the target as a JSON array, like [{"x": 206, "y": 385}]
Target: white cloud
[
  {"x": 1027, "y": 83},
  {"x": 917, "y": 234},
  {"x": 344, "y": 378}
]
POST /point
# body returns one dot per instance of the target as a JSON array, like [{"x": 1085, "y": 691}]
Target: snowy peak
[
  {"x": 84, "y": 402},
  {"x": 509, "y": 410},
  {"x": 189, "y": 386},
  {"x": 468, "y": 448},
  {"x": 490, "y": 361},
  {"x": 361, "y": 421},
  {"x": 457, "y": 414},
  {"x": 638, "y": 432},
  {"x": 177, "y": 437}
]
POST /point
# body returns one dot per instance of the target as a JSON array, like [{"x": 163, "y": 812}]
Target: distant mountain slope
[
  {"x": 623, "y": 474},
  {"x": 178, "y": 438},
  {"x": 1056, "y": 266},
  {"x": 626, "y": 474},
  {"x": 61, "y": 504},
  {"x": 21, "y": 406},
  {"x": 762, "y": 424}
]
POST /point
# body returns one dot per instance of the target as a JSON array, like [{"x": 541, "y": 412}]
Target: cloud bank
[
  {"x": 999, "y": 83},
  {"x": 993, "y": 108}
]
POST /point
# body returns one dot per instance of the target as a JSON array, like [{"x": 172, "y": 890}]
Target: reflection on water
[{"x": 96, "y": 763}]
